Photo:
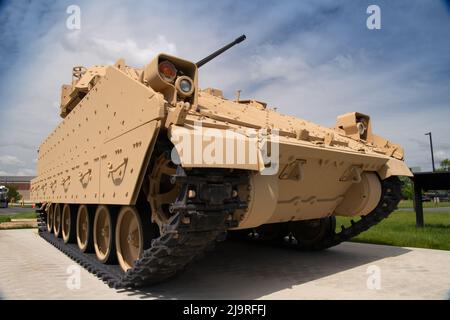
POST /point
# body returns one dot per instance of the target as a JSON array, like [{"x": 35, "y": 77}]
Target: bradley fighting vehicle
[{"x": 146, "y": 171}]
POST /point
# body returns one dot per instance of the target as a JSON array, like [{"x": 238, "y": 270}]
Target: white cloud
[
  {"x": 9, "y": 160},
  {"x": 25, "y": 172},
  {"x": 311, "y": 59},
  {"x": 12, "y": 165},
  {"x": 108, "y": 51},
  {"x": 441, "y": 155},
  {"x": 270, "y": 64}
]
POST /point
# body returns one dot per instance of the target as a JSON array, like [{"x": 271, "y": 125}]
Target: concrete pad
[{"x": 31, "y": 268}]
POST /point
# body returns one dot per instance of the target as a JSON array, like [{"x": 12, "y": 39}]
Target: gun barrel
[{"x": 220, "y": 51}]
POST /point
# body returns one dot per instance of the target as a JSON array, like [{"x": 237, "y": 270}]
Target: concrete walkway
[{"x": 30, "y": 268}]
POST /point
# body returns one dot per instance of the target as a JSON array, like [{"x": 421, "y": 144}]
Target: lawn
[
  {"x": 23, "y": 215},
  {"x": 409, "y": 204},
  {"x": 399, "y": 229}
]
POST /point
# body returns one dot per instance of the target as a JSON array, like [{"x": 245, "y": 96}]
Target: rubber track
[
  {"x": 171, "y": 252},
  {"x": 178, "y": 246}
]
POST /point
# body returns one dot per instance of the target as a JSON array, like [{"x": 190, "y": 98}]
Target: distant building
[{"x": 22, "y": 183}]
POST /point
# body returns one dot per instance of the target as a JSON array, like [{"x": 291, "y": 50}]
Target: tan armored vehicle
[{"x": 146, "y": 171}]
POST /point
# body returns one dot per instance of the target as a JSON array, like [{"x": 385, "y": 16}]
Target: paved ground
[
  {"x": 31, "y": 268},
  {"x": 14, "y": 210}
]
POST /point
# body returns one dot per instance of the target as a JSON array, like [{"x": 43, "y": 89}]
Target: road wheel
[
  {"x": 307, "y": 234},
  {"x": 85, "y": 221},
  {"x": 162, "y": 191},
  {"x": 104, "y": 226},
  {"x": 50, "y": 217},
  {"x": 133, "y": 236},
  {"x": 68, "y": 227},
  {"x": 57, "y": 220}
]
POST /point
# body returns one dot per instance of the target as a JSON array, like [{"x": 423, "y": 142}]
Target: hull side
[{"x": 98, "y": 153}]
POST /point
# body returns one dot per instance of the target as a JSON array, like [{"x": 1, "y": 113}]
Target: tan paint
[
  {"x": 394, "y": 167},
  {"x": 152, "y": 78},
  {"x": 184, "y": 136},
  {"x": 361, "y": 198},
  {"x": 129, "y": 237},
  {"x": 103, "y": 234},
  {"x": 263, "y": 195},
  {"x": 97, "y": 153},
  {"x": 83, "y": 226},
  {"x": 66, "y": 223},
  {"x": 112, "y": 116}
]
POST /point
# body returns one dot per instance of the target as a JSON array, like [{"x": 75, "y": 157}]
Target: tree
[
  {"x": 13, "y": 193},
  {"x": 407, "y": 188},
  {"x": 445, "y": 165}
]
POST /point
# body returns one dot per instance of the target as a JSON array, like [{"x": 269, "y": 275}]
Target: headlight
[
  {"x": 167, "y": 71},
  {"x": 362, "y": 127},
  {"x": 185, "y": 86}
]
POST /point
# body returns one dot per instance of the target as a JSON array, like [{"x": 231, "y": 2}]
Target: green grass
[
  {"x": 409, "y": 204},
  {"x": 399, "y": 229},
  {"x": 23, "y": 215}
]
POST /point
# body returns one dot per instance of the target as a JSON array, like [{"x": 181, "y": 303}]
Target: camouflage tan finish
[{"x": 113, "y": 116}]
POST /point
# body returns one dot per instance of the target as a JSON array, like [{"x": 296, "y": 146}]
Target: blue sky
[{"x": 312, "y": 59}]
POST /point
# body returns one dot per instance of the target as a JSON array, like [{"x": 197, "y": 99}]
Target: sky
[{"x": 311, "y": 59}]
